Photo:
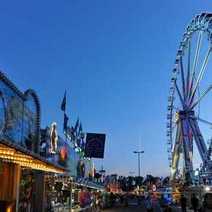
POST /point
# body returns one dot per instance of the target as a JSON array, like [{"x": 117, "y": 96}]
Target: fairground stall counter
[
  {"x": 57, "y": 186},
  {"x": 63, "y": 190},
  {"x": 22, "y": 167}
]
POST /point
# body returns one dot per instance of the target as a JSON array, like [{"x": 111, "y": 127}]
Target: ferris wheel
[{"x": 188, "y": 95}]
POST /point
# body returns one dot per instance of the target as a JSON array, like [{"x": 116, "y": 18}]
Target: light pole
[{"x": 139, "y": 161}]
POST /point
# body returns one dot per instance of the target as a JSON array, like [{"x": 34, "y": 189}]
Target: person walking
[
  {"x": 194, "y": 203},
  {"x": 167, "y": 208},
  {"x": 183, "y": 203},
  {"x": 148, "y": 204},
  {"x": 112, "y": 199}
]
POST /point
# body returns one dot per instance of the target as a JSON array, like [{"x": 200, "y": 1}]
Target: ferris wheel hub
[{"x": 186, "y": 113}]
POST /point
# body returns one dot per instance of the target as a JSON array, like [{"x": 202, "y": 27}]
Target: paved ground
[
  {"x": 128, "y": 209},
  {"x": 140, "y": 208},
  {"x": 137, "y": 209}
]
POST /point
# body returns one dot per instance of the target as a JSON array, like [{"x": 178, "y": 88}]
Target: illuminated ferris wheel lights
[{"x": 176, "y": 117}]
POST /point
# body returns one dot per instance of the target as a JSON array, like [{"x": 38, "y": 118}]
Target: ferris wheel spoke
[
  {"x": 202, "y": 70},
  {"x": 180, "y": 96},
  {"x": 196, "y": 57},
  {"x": 188, "y": 69},
  {"x": 204, "y": 121},
  {"x": 201, "y": 97},
  {"x": 182, "y": 77},
  {"x": 202, "y": 148}
]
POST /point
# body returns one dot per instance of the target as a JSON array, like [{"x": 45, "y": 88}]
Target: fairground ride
[{"x": 189, "y": 92}]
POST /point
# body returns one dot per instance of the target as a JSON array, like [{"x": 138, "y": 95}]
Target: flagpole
[
  {"x": 65, "y": 126},
  {"x": 63, "y": 108},
  {"x": 64, "y": 114}
]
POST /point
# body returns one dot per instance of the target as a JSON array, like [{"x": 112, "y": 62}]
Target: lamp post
[{"x": 139, "y": 161}]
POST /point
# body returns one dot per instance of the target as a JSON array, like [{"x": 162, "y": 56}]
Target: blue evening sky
[{"x": 114, "y": 57}]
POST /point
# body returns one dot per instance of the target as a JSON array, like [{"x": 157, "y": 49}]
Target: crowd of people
[
  {"x": 195, "y": 204},
  {"x": 91, "y": 200},
  {"x": 97, "y": 201}
]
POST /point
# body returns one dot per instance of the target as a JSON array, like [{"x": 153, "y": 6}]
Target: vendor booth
[
  {"x": 63, "y": 190},
  {"x": 20, "y": 150}
]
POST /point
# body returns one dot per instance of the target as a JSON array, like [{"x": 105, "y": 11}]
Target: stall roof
[{"x": 10, "y": 152}]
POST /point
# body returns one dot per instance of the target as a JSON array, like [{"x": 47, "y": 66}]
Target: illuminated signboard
[{"x": 95, "y": 145}]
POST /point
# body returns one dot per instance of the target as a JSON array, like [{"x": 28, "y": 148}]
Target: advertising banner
[{"x": 95, "y": 145}]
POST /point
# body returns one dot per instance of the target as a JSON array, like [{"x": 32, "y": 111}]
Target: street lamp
[{"x": 139, "y": 161}]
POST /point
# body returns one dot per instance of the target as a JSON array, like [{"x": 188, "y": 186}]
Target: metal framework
[{"x": 185, "y": 97}]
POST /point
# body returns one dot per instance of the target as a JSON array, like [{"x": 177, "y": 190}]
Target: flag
[
  {"x": 72, "y": 134},
  {"x": 76, "y": 125},
  {"x": 63, "y": 104},
  {"x": 78, "y": 142},
  {"x": 80, "y": 128},
  {"x": 82, "y": 144},
  {"x": 65, "y": 123}
]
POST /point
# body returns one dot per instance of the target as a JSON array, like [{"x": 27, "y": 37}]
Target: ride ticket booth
[{"x": 20, "y": 149}]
